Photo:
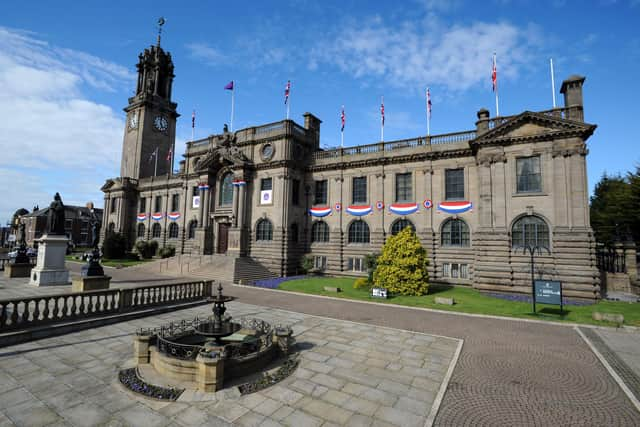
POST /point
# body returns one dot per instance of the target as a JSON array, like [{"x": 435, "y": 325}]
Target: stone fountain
[{"x": 201, "y": 354}]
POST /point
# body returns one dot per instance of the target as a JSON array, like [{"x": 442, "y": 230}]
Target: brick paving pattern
[
  {"x": 630, "y": 378},
  {"x": 349, "y": 374},
  {"x": 510, "y": 373}
]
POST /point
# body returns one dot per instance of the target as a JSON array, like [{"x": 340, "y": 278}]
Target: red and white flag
[
  {"x": 494, "y": 74},
  {"x": 343, "y": 119},
  {"x": 287, "y": 89},
  {"x": 429, "y": 102}
]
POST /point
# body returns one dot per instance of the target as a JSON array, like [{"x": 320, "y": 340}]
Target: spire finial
[{"x": 160, "y": 24}]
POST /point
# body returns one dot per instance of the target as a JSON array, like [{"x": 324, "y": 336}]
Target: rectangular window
[
  {"x": 143, "y": 204},
  {"x": 454, "y": 184},
  {"x": 295, "y": 192},
  {"x": 266, "y": 184},
  {"x": 356, "y": 264},
  {"x": 404, "y": 189},
  {"x": 320, "y": 262},
  {"x": 114, "y": 204},
  {"x": 528, "y": 174},
  {"x": 175, "y": 203},
  {"x": 320, "y": 193},
  {"x": 158, "y": 205},
  {"x": 455, "y": 271},
  {"x": 359, "y": 190},
  {"x": 196, "y": 191}
]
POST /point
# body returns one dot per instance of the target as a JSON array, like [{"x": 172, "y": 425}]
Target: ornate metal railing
[
  {"x": 610, "y": 260},
  {"x": 449, "y": 138},
  {"x": 166, "y": 336},
  {"x": 22, "y": 313}
]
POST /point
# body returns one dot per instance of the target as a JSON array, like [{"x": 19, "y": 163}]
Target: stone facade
[{"x": 473, "y": 197}]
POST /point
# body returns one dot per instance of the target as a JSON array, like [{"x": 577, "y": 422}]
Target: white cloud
[
  {"x": 52, "y": 137},
  {"x": 410, "y": 55},
  {"x": 206, "y": 53}
]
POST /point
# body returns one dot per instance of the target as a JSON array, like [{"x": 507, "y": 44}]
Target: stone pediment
[
  {"x": 530, "y": 126},
  {"x": 229, "y": 155},
  {"x": 108, "y": 185}
]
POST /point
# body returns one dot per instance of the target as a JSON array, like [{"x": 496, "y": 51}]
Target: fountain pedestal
[{"x": 210, "y": 373}]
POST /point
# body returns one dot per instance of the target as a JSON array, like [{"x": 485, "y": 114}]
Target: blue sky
[{"x": 67, "y": 68}]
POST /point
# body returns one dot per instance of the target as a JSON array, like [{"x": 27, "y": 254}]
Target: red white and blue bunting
[
  {"x": 157, "y": 216},
  {"x": 320, "y": 212},
  {"x": 403, "y": 208},
  {"x": 173, "y": 216},
  {"x": 359, "y": 210},
  {"x": 141, "y": 217},
  {"x": 380, "y": 205},
  {"x": 428, "y": 204},
  {"x": 455, "y": 207},
  {"x": 239, "y": 182},
  {"x": 338, "y": 207},
  {"x": 203, "y": 186}
]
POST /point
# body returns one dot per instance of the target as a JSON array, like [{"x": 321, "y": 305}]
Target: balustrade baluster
[
  {"x": 65, "y": 307},
  {"x": 14, "y": 314},
  {"x": 81, "y": 307},
  {"x": 3, "y": 315},
  {"x": 25, "y": 311},
  {"x": 92, "y": 298},
  {"x": 138, "y": 292},
  {"x": 36, "y": 310},
  {"x": 74, "y": 307}
]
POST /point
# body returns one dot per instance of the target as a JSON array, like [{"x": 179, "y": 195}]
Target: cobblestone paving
[
  {"x": 626, "y": 373},
  {"x": 349, "y": 374},
  {"x": 509, "y": 373}
]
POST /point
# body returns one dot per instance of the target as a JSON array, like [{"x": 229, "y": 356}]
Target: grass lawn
[
  {"x": 125, "y": 262},
  {"x": 470, "y": 300}
]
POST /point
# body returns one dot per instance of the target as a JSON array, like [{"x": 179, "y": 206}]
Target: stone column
[
  {"x": 210, "y": 373},
  {"x": 630, "y": 261},
  {"x": 206, "y": 201},
  {"x": 201, "y": 210},
  {"x": 141, "y": 348},
  {"x": 241, "y": 205},
  {"x": 236, "y": 190}
]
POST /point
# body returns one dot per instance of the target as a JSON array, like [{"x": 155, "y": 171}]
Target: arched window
[
  {"x": 530, "y": 230},
  {"x": 141, "y": 231},
  {"x": 294, "y": 233},
  {"x": 319, "y": 232},
  {"x": 173, "y": 230},
  {"x": 226, "y": 189},
  {"x": 358, "y": 232},
  {"x": 455, "y": 232},
  {"x": 400, "y": 225},
  {"x": 264, "y": 230},
  {"x": 112, "y": 228},
  {"x": 156, "y": 230},
  {"x": 192, "y": 229}
]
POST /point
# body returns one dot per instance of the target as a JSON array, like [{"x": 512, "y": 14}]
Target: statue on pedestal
[{"x": 55, "y": 223}]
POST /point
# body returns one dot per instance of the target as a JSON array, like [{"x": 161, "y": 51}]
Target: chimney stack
[{"x": 572, "y": 91}]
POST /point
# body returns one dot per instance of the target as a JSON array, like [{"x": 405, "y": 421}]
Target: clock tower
[{"x": 150, "y": 131}]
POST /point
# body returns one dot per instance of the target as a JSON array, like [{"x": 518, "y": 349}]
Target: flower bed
[
  {"x": 527, "y": 298},
  {"x": 275, "y": 282}
]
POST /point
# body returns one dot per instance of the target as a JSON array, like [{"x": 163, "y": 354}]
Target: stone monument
[
  {"x": 52, "y": 247},
  {"x": 20, "y": 266},
  {"x": 92, "y": 276}
]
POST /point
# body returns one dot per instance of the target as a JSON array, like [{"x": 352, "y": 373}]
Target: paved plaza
[{"x": 361, "y": 364}]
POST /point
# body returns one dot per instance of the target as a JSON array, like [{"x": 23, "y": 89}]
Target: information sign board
[
  {"x": 548, "y": 292},
  {"x": 379, "y": 292}
]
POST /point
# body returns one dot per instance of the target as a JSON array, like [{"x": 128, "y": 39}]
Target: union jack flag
[
  {"x": 287, "y": 89},
  {"x": 193, "y": 119},
  {"x": 342, "y": 119},
  {"x": 382, "y": 110},
  {"x": 429, "y": 102},
  {"x": 494, "y": 74}
]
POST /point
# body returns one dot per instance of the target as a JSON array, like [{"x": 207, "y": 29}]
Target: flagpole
[
  {"x": 155, "y": 169},
  {"x": 382, "y": 118},
  {"x": 288, "y": 97},
  {"x": 495, "y": 67},
  {"x": 342, "y": 138},
  {"x": 553, "y": 84},
  {"x": 428, "y": 115},
  {"x": 193, "y": 125},
  {"x": 233, "y": 91}
]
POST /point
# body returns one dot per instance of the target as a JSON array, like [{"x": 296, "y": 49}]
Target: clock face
[
  {"x": 267, "y": 151},
  {"x": 160, "y": 123},
  {"x": 133, "y": 121}
]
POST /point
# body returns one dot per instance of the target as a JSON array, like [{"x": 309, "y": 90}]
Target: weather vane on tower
[{"x": 160, "y": 24}]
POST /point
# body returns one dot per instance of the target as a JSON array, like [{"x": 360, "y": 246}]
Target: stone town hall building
[{"x": 269, "y": 195}]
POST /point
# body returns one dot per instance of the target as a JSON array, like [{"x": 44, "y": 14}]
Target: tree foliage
[
  {"x": 402, "y": 266},
  {"x": 114, "y": 246},
  {"x": 615, "y": 208}
]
